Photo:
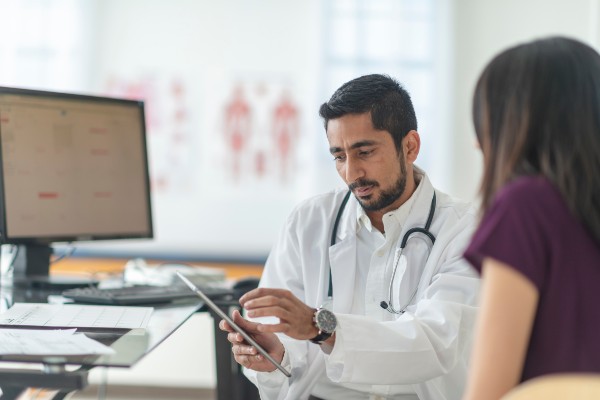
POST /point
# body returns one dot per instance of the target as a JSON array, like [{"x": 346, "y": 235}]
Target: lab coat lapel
[
  {"x": 342, "y": 258},
  {"x": 411, "y": 268}
]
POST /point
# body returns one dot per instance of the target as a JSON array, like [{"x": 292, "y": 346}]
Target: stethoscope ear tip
[{"x": 384, "y": 305}]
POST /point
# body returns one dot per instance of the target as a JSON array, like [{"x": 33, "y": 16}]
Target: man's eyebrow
[{"x": 362, "y": 143}]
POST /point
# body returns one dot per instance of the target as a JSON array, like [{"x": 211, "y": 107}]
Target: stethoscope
[{"x": 388, "y": 305}]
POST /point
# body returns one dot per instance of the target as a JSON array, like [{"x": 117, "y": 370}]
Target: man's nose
[{"x": 354, "y": 170}]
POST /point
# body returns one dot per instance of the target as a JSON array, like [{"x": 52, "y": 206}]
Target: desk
[
  {"x": 129, "y": 345},
  {"x": 231, "y": 383},
  {"x": 113, "y": 266}
]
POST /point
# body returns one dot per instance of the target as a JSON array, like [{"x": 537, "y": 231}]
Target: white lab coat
[{"x": 427, "y": 347}]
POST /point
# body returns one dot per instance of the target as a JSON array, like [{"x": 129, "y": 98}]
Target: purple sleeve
[{"x": 514, "y": 230}]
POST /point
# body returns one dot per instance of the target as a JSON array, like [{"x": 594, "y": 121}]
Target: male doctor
[{"x": 397, "y": 321}]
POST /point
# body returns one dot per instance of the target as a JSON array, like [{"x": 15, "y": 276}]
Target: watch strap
[{"x": 321, "y": 337}]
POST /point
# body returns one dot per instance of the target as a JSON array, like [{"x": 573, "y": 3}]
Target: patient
[{"x": 537, "y": 117}]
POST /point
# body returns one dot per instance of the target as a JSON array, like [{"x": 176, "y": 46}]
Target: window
[
  {"x": 401, "y": 38},
  {"x": 48, "y": 44}
]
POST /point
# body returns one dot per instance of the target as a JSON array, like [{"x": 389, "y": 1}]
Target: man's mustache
[{"x": 361, "y": 183}]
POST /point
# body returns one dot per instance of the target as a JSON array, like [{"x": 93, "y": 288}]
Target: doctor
[{"x": 396, "y": 321}]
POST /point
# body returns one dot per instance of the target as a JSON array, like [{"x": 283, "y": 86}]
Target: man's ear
[{"x": 411, "y": 145}]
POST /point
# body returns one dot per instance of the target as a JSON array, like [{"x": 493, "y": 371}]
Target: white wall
[
  {"x": 285, "y": 34},
  {"x": 210, "y": 47},
  {"x": 482, "y": 28},
  {"x": 142, "y": 48}
]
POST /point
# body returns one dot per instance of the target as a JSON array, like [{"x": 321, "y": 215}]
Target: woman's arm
[{"x": 509, "y": 302}]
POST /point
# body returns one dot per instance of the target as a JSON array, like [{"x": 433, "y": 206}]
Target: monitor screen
[{"x": 72, "y": 168}]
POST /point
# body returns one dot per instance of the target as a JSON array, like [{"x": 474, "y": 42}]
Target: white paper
[
  {"x": 76, "y": 316},
  {"x": 49, "y": 342}
]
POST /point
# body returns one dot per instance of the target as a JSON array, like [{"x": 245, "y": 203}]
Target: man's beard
[{"x": 387, "y": 197}]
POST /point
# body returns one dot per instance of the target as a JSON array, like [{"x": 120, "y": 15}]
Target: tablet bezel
[{"x": 235, "y": 326}]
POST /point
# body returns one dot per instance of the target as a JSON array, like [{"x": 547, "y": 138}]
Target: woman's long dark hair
[{"x": 536, "y": 111}]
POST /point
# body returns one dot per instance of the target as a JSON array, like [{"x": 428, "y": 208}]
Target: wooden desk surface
[{"x": 110, "y": 266}]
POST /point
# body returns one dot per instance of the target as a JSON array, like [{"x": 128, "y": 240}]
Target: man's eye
[
  {"x": 338, "y": 158},
  {"x": 364, "y": 153}
]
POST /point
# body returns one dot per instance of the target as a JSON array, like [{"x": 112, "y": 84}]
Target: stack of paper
[
  {"x": 76, "y": 316},
  {"x": 65, "y": 341},
  {"x": 49, "y": 342}
]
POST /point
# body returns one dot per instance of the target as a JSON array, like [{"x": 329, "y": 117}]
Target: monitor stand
[{"x": 31, "y": 268}]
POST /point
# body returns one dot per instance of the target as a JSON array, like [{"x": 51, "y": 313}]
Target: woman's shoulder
[
  {"x": 528, "y": 187},
  {"x": 531, "y": 198}
]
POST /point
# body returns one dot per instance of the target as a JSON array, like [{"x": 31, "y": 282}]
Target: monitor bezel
[{"x": 83, "y": 237}]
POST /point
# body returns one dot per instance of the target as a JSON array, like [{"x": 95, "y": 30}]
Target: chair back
[{"x": 572, "y": 386}]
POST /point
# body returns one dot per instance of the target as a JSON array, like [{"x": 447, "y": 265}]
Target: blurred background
[{"x": 232, "y": 89}]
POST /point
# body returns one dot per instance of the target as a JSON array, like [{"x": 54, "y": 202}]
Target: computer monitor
[{"x": 73, "y": 168}]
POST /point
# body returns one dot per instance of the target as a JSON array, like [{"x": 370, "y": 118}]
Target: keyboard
[{"x": 140, "y": 294}]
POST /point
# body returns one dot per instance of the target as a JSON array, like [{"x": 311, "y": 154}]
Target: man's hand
[
  {"x": 295, "y": 317},
  {"x": 246, "y": 354}
]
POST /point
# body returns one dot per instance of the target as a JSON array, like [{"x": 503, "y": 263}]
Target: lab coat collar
[
  {"x": 415, "y": 217},
  {"x": 422, "y": 203},
  {"x": 342, "y": 255},
  {"x": 400, "y": 214}
]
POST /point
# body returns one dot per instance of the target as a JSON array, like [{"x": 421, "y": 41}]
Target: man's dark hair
[{"x": 389, "y": 104}]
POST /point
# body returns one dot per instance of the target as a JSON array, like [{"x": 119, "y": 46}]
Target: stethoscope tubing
[{"x": 425, "y": 231}]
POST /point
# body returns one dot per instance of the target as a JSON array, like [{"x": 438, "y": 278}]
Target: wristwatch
[{"x": 325, "y": 322}]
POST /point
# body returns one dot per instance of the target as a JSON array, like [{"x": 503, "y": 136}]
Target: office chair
[
  {"x": 571, "y": 386},
  {"x": 232, "y": 384}
]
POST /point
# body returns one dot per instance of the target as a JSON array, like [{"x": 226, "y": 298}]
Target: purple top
[{"x": 530, "y": 228}]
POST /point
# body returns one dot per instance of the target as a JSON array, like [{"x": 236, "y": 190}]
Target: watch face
[{"x": 326, "y": 320}]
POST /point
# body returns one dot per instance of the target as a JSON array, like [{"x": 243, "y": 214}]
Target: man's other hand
[{"x": 246, "y": 354}]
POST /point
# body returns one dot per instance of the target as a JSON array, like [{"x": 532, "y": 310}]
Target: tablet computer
[{"x": 235, "y": 326}]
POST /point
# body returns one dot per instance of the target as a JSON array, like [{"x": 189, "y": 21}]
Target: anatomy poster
[
  {"x": 225, "y": 155},
  {"x": 260, "y": 133},
  {"x": 172, "y": 133}
]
